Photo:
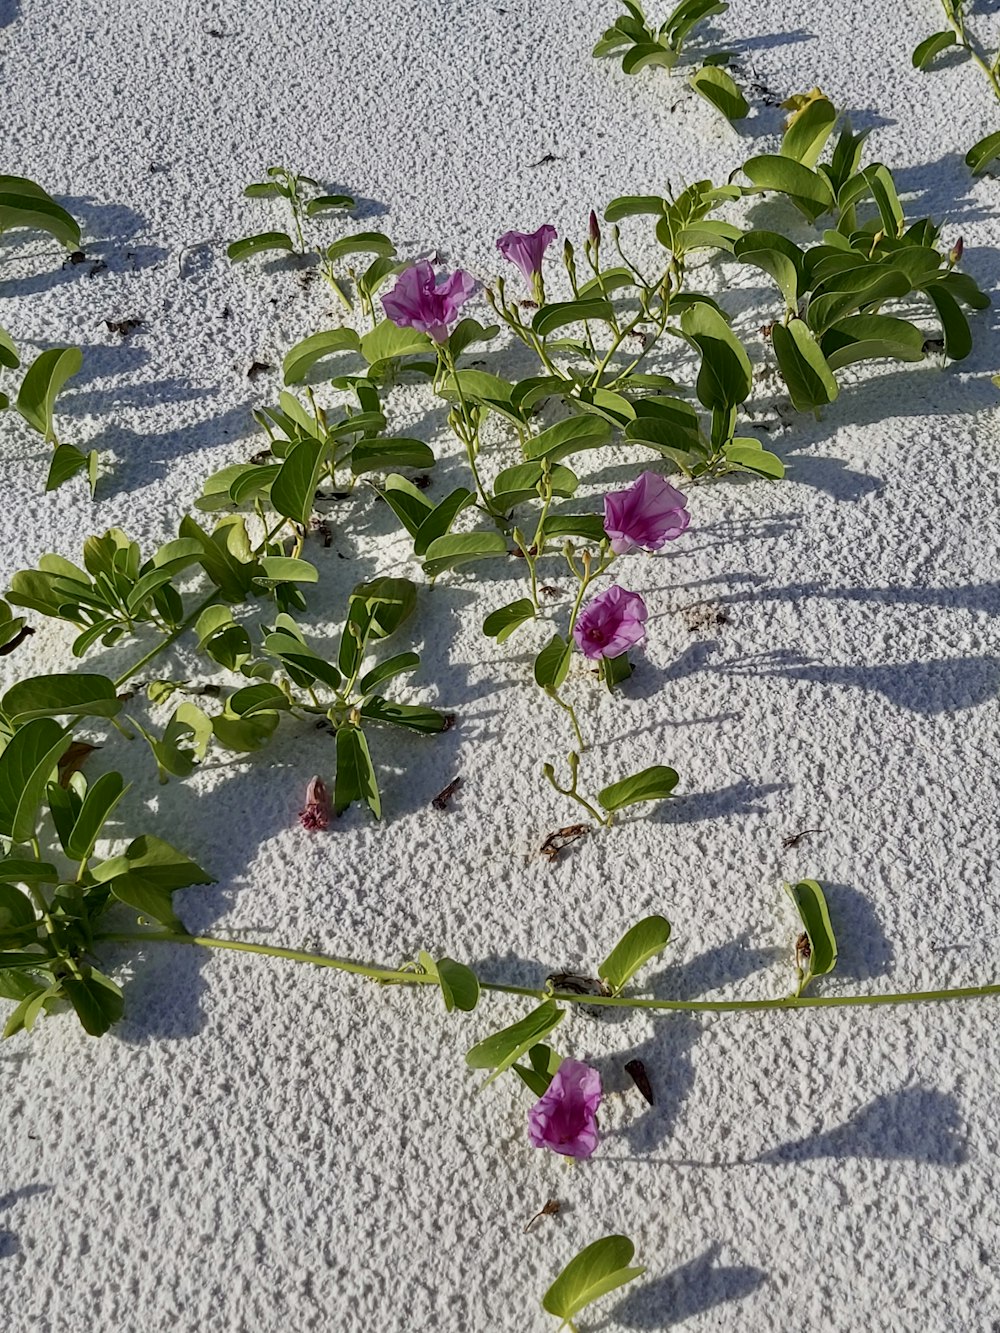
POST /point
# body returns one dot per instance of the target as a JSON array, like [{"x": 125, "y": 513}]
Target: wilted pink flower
[
  {"x": 649, "y": 514},
  {"x": 526, "y": 249},
  {"x": 611, "y": 624},
  {"x": 431, "y": 304},
  {"x": 316, "y": 815},
  {"x": 565, "y": 1117}
]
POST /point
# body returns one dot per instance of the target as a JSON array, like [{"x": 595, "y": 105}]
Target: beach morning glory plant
[
  {"x": 420, "y": 300},
  {"x": 564, "y": 1119},
  {"x": 526, "y": 251}
]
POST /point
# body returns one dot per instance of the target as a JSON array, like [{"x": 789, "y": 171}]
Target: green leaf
[
  {"x": 8, "y": 352},
  {"x": 303, "y": 665},
  {"x": 588, "y": 526},
  {"x": 256, "y": 245},
  {"x": 42, "y": 382},
  {"x": 725, "y": 378},
  {"x": 146, "y": 876},
  {"x": 776, "y": 255},
  {"x": 569, "y": 437},
  {"x": 844, "y": 293},
  {"x": 809, "y": 192},
  {"x": 438, "y": 522},
  {"x": 17, "y": 915},
  {"x": 552, "y": 663},
  {"x": 408, "y": 503},
  {"x": 66, "y": 462},
  {"x": 362, "y": 242},
  {"x": 293, "y": 490},
  {"x": 388, "y": 601},
  {"x": 652, "y": 784},
  {"x": 356, "y": 779},
  {"x": 411, "y": 717},
  {"x": 501, "y": 624},
  {"x": 61, "y": 695},
  {"x": 631, "y": 205},
  {"x": 387, "y": 341},
  {"x": 643, "y": 941},
  {"x": 601, "y": 1268},
  {"x": 749, "y": 454},
  {"x": 100, "y": 801},
  {"x": 392, "y": 666},
  {"x": 718, "y": 88},
  {"x": 26, "y": 764},
  {"x": 810, "y": 903},
  {"x": 930, "y": 47},
  {"x": 981, "y": 154},
  {"x": 867, "y": 337},
  {"x": 459, "y": 985},
  {"x": 327, "y": 203},
  {"x": 21, "y": 207},
  {"x": 305, "y": 354},
  {"x": 803, "y": 366},
  {"x": 21, "y": 870},
  {"x": 515, "y": 485},
  {"x": 469, "y": 331},
  {"x": 646, "y": 54},
  {"x": 97, "y": 1000},
  {"x": 461, "y": 549},
  {"x": 383, "y": 454},
  {"x": 557, "y": 315},
  {"x": 499, "y": 1051},
  {"x": 806, "y": 136},
  {"x": 955, "y": 326}
]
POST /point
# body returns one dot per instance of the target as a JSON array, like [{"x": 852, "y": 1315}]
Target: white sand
[{"x": 260, "y": 1147}]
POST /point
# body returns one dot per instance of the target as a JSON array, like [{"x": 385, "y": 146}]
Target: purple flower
[
  {"x": 611, "y": 624},
  {"x": 565, "y": 1117},
  {"x": 316, "y": 815},
  {"x": 649, "y": 514},
  {"x": 422, "y": 301},
  {"x": 526, "y": 249}
]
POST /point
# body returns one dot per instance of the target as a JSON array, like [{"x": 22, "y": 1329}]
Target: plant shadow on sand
[
  {"x": 9, "y": 1244},
  {"x": 697, "y": 1286}
]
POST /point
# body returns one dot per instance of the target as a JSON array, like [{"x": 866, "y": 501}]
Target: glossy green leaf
[
  {"x": 718, "y": 88},
  {"x": 391, "y": 667},
  {"x": 362, "y": 242},
  {"x": 982, "y": 154},
  {"x": 588, "y": 526},
  {"x": 33, "y": 208},
  {"x": 571, "y": 436},
  {"x": 461, "y": 549},
  {"x": 26, "y": 764},
  {"x": 355, "y": 779},
  {"x": 599, "y": 1269},
  {"x": 8, "y": 352},
  {"x": 293, "y": 490},
  {"x": 97, "y": 1000},
  {"x": 469, "y": 332},
  {"x": 556, "y": 315},
  {"x": 632, "y": 205},
  {"x": 930, "y": 47},
  {"x": 42, "y": 383},
  {"x": 387, "y": 341},
  {"x": 437, "y": 523},
  {"x": 381, "y": 455},
  {"x": 803, "y": 367},
  {"x": 408, "y": 503},
  {"x": 776, "y": 255},
  {"x": 808, "y": 132},
  {"x": 17, "y": 915},
  {"x": 459, "y": 985},
  {"x": 502, "y": 623},
  {"x": 259, "y": 244},
  {"x": 329, "y": 203},
  {"x": 411, "y": 717},
  {"x": 867, "y": 337},
  {"x": 638, "y": 945},
  {"x": 101, "y": 798},
  {"x": 810, "y": 903},
  {"x": 552, "y": 663},
  {"x": 750, "y": 455},
  {"x": 808, "y": 190},
  {"x": 845, "y": 293},
  {"x": 305, "y": 354},
  {"x": 499, "y": 1051},
  {"x": 954, "y": 325},
  {"x": 725, "y": 378},
  {"x": 285, "y": 569},
  {"x": 73, "y": 694},
  {"x": 652, "y": 784}
]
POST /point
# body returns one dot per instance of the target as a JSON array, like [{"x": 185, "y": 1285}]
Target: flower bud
[
  {"x": 955, "y": 253},
  {"x": 595, "y": 231}
]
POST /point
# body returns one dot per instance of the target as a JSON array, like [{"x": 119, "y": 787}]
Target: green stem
[
  {"x": 400, "y": 976},
  {"x": 992, "y": 71},
  {"x": 468, "y": 433},
  {"x": 171, "y": 638}
]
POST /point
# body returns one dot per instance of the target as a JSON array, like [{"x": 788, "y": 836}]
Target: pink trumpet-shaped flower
[
  {"x": 526, "y": 249},
  {"x": 649, "y": 514},
  {"x": 431, "y": 304},
  {"x": 316, "y": 815},
  {"x": 611, "y": 624},
  {"x": 565, "y": 1117}
]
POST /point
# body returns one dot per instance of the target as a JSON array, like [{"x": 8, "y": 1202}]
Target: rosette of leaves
[
  {"x": 307, "y": 448},
  {"x": 56, "y": 891},
  {"x": 293, "y": 678},
  {"x": 639, "y": 45}
]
